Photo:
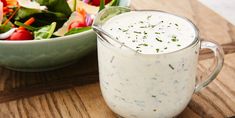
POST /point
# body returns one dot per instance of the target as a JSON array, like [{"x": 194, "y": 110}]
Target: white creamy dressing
[
  {"x": 151, "y": 32},
  {"x": 148, "y": 86}
]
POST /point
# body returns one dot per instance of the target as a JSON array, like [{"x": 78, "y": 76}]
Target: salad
[{"x": 44, "y": 19}]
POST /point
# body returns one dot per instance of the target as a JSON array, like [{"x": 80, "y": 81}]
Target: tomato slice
[
  {"x": 77, "y": 24},
  {"x": 97, "y": 2},
  {"x": 21, "y": 35}
]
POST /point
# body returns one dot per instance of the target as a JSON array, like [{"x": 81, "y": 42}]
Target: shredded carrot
[
  {"x": 28, "y": 22},
  {"x": 12, "y": 15},
  {"x": 82, "y": 12}
]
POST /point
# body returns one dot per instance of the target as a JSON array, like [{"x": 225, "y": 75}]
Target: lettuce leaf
[
  {"x": 44, "y": 32},
  {"x": 43, "y": 17},
  {"x": 102, "y": 5},
  {"x": 7, "y": 27},
  {"x": 77, "y": 30},
  {"x": 56, "y": 6}
]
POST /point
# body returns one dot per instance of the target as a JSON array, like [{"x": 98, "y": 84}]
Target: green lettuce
[
  {"x": 45, "y": 32},
  {"x": 77, "y": 30},
  {"x": 56, "y": 6}
]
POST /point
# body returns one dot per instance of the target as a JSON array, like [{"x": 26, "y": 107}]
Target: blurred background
[{"x": 225, "y": 8}]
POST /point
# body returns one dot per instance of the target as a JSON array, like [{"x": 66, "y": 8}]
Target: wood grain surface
[{"x": 73, "y": 92}]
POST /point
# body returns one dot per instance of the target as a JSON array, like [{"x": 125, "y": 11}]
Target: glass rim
[{"x": 193, "y": 43}]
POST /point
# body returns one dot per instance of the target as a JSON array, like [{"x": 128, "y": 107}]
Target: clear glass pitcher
[{"x": 136, "y": 85}]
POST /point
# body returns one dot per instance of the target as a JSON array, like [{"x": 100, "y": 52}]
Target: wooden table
[{"x": 74, "y": 92}]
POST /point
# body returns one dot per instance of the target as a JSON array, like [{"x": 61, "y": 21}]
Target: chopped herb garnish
[
  {"x": 117, "y": 38},
  {"x": 144, "y": 37},
  {"x": 149, "y": 17},
  {"x": 158, "y": 39},
  {"x": 154, "y": 110},
  {"x": 137, "y": 47},
  {"x": 137, "y": 32},
  {"x": 145, "y": 32},
  {"x": 143, "y": 26},
  {"x": 125, "y": 30},
  {"x": 157, "y": 50},
  {"x": 153, "y": 96},
  {"x": 162, "y": 21},
  {"x": 141, "y": 21},
  {"x": 165, "y": 48},
  {"x": 174, "y": 40},
  {"x": 178, "y": 45},
  {"x": 171, "y": 67},
  {"x": 157, "y": 32},
  {"x": 111, "y": 29},
  {"x": 153, "y": 26},
  {"x": 143, "y": 44},
  {"x": 119, "y": 28},
  {"x": 176, "y": 24}
]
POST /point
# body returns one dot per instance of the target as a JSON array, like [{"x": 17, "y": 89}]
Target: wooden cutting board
[{"x": 74, "y": 91}]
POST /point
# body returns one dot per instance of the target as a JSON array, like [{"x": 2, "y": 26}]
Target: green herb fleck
[
  {"x": 171, "y": 67},
  {"x": 154, "y": 110},
  {"x": 174, "y": 40},
  {"x": 153, "y": 96},
  {"x": 145, "y": 33},
  {"x": 124, "y": 30},
  {"x": 158, "y": 39},
  {"x": 137, "y": 47},
  {"x": 139, "y": 50},
  {"x": 137, "y": 32},
  {"x": 153, "y": 26},
  {"x": 119, "y": 28},
  {"x": 157, "y": 50},
  {"x": 144, "y": 37},
  {"x": 141, "y": 21},
  {"x": 178, "y": 45},
  {"x": 143, "y": 26},
  {"x": 143, "y": 44},
  {"x": 157, "y": 32},
  {"x": 165, "y": 48},
  {"x": 149, "y": 17},
  {"x": 176, "y": 24}
]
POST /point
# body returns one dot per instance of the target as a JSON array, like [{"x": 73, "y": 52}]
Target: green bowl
[{"x": 48, "y": 54}]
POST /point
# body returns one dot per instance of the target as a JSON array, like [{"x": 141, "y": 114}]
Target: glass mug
[{"x": 136, "y": 85}]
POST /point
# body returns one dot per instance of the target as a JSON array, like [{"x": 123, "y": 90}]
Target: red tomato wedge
[
  {"x": 21, "y": 35},
  {"x": 77, "y": 24},
  {"x": 97, "y": 2}
]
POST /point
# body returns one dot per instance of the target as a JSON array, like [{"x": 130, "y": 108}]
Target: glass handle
[{"x": 219, "y": 60}]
